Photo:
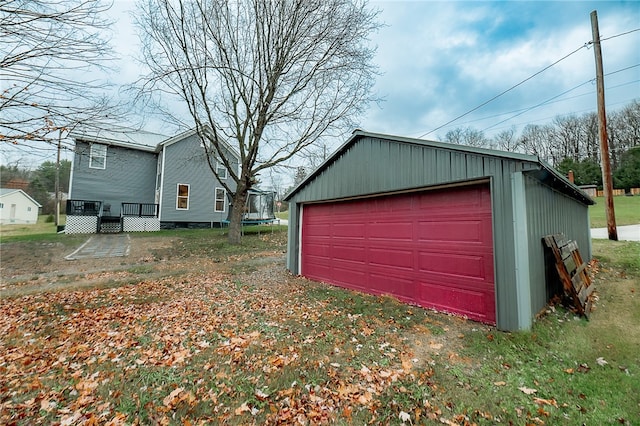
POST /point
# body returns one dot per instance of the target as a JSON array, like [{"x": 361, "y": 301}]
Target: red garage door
[{"x": 431, "y": 248}]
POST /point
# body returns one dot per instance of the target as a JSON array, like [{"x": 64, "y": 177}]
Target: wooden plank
[
  {"x": 585, "y": 293},
  {"x": 571, "y": 271},
  {"x": 581, "y": 268},
  {"x": 570, "y": 264}
]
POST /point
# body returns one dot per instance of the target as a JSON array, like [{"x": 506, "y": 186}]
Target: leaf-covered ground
[{"x": 235, "y": 339}]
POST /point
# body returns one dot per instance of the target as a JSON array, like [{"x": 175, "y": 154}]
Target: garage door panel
[
  {"x": 391, "y": 258},
  {"x": 390, "y": 230},
  {"x": 321, "y": 270},
  {"x": 432, "y": 248},
  {"x": 351, "y": 253},
  {"x": 400, "y": 287},
  {"x": 319, "y": 250},
  {"x": 473, "y": 304},
  {"x": 344, "y": 274},
  {"x": 452, "y": 230},
  {"x": 389, "y": 206},
  {"x": 445, "y": 201},
  {"x": 461, "y": 265},
  {"x": 352, "y": 230},
  {"x": 319, "y": 230}
]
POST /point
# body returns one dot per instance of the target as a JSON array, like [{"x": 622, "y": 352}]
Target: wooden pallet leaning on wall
[{"x": 572, "y": 271}]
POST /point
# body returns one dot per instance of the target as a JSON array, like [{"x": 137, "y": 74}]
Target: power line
[
  {"x": 618, "y": 35},
  {"x": 557, "y": 96},
  {"x": 586, "y": 45},
  {"x": 506, "y": 91}
]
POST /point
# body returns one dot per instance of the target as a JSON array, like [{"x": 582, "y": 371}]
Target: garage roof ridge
[{"x": 359, "y": 134}]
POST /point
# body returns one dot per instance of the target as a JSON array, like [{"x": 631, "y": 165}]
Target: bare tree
[
  {"x": 568, "y": 137},
  {"x": 267, "y": 77},
  {"x": 468, "y": 136},
  {"x": 590, "y": 136},
  {"x": 535, "y": 140},
  {"x": 506, "y": 140},
  {"x": 49, "y": 50}
]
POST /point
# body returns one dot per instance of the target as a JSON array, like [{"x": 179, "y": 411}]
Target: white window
[
  {"x": 1, "y": 205},
  {"x": 98, "y": 156},
  {"x": 221, "y": 170},
  {"x": 182, "y": 200},
  {"x": 28, "y": 209},
  {"x": 220, "y": 199}
]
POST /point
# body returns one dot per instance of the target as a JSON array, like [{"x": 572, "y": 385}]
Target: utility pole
[
  {"x": 602, "y": 131},
  {"x": 57, "y": 186}
]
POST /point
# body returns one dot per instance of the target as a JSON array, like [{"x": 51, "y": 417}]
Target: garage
[
  {"x": 431, "y": 248},
  {"x": 448, "y": 227}
]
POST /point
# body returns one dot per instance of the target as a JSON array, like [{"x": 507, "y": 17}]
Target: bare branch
[{"x": 270, "y": 78}]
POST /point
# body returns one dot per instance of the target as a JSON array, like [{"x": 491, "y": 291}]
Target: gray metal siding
[
  {"x": 550, "y": 212},
  {"x": 185, "y": 163},
  {"x": 129, "y": 177},
  {"x": 375, "y": 166}
]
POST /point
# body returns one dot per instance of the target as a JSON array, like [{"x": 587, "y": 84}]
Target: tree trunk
[{"x": 235, "y": 221}]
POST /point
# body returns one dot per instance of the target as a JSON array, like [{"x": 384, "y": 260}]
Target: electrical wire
[
  {"x": 586, "y": 45},
  {"x": 506, "y": 91},
  {"x": 559, "y": 95}
]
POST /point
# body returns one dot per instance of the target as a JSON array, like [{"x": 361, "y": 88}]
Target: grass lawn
[
  {"x": 35, "y": 231},
  {"x": 231, "y": 338},
  {"x": 283, "y": 215},
  {"x": 627, "y": 211}
]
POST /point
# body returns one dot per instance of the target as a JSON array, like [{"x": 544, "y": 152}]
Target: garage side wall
[
  {"x": 550, "y": 212},
  {"x": 373, "y": 166}
]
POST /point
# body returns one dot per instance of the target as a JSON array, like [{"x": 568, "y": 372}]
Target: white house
[{"x": 16, "y": 206}]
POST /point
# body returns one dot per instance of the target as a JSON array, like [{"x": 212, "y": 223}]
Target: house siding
[
  {"x": 359, "y": 170},
  {"x": 550, "y": 212},
  {"x": 185, "y": 163},
  {"x": 129, "y": 177}
]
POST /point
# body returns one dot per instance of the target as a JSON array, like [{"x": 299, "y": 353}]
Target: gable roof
[
  {"x": 120, "y": 136},
  {"x": 7, "y": 191},
  {"x": 543, "y": 172},
  {"x": 184, "y": 135}
]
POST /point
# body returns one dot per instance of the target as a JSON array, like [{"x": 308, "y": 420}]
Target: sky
[{"x": 440, "y": 60}]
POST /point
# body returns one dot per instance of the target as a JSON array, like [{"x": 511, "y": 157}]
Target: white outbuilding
[{"x": 17, "y": 207}]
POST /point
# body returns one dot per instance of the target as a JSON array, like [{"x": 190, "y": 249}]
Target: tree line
[{"x": 571, "y": 142}]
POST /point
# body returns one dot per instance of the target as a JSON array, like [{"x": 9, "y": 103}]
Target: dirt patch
[{"x": 32, "y": 267}]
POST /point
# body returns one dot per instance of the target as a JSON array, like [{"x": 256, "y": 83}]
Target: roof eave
[
  {"x": 571, "y": 189},
  {"x": 112, "y": 142}
]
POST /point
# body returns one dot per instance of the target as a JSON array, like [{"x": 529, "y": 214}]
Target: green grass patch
[
  {"x": 627, "y": 211},
  {"x": 283, "y": 215},
  {"x": 38, "y": 230}
]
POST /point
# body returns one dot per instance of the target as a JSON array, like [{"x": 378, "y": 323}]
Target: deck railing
[
  {"x": 140, "y": 209},
  {"x": 83, "y": 207}
]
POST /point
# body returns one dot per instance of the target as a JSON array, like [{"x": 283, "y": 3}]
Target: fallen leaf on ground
[
  {"x": 527, "y": 390},
  {"x": 541, "y": 401}
]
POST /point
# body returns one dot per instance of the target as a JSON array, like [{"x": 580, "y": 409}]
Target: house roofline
[
  {"x": 359, "y": 134},
  {"x": 11, "y": 191},
  {"x": 113, "y": 142},
  {"x": 181, "y": 136},
  {"x": 126, "y": 139}
]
